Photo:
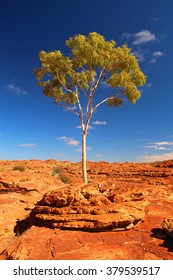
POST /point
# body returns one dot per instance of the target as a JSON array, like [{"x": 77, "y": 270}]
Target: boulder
[{"x": 89, "y": 209}]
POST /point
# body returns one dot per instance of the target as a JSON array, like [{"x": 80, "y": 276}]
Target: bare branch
[
  {"x": 100, "y": 103},
  {"x": 80, "y": 109},
  {"x": 99, "y": 80},
  {"x": 64, "y": 86},
  {"x": 82, "y": 89},
  {"x": 67, "y": 108},
  {"x": 110, "y": 97},
  {"x": 84, "y": 69}
]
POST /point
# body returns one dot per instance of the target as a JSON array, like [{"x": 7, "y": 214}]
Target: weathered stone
[
  {"x": 168, "y": 226},
  {"x": 87, "y": 209},
  {"x": 124, "y": 187}
]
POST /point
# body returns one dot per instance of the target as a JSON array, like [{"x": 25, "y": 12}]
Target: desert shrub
[
  {"x": 19, "y": 167},
  {"x": 64, "y": 178},
  {"x": 56, "y": 170}
]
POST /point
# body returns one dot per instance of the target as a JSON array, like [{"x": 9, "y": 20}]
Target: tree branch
[
  {"x": 80, "y": 109},
  {"x": 100, "y": 103},
  {"x": 67, "y": 108},
  {"x": 99, "y": 80},
  {"x": 106, "y": 99},
  {"x": 82, "y": 89},
  {"x": 64, "y": 86}
]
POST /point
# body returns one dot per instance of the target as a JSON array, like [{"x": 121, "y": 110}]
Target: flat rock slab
[{"x": 88, "y": 208}]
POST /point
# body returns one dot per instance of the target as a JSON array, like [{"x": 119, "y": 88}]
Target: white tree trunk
[{"x": 84, "y": 168}]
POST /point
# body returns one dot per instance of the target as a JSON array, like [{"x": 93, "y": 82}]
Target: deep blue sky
[{"x": 30, "y": 123}]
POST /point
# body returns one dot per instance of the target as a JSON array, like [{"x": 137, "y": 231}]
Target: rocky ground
[{"x": 125, "y": 211}]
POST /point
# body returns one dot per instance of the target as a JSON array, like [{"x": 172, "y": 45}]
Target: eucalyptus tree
[{"x": 77, "y": 77}]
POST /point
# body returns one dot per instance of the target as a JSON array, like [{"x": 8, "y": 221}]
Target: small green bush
[{"x": 19, "y": 167}]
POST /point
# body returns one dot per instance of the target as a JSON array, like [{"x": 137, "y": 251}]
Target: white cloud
[
  {"x": 74, "y": 108},
  {"x": 150, "y": 158},
  {"x": 126, "y": 35},
  {"x": 159, "y": 146},
  {"x": 140, "y": 55},
  {"x": 28, "y": 145},
  {"x": 150, "y": 147},
  {"x": 156, "y": 148},
  {"x": 98, "y": 155},
  {"x": 58, "y": 154},
  {"x": 153, "y": 61},
  {"x": 100, "y": 123},
  {"x": 16, "y": 89},
  {"x": 158, "y": 54},
  {"x": 162, "y": 148},
  {"x": 62, "y": 138},
  {"x": 148, "y": 85},
  {"x": 140, "y": 38},
  {"x": 80, "y": 149},
  {"x": 72, "y": 142},
  {"x": 69, "y": 141},
  {"x": 163, "y": 143},
  {"x": 143, "y": 37},
  {"x": 89, "y": 127},
  {"x": 155, "y": 56},
  {"x": 157, "y": 19}
]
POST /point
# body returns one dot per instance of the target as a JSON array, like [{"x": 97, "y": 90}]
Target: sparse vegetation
[
  {"x": 19, "y": 167},
  {"x": 64, "y": 178},
  {"x": 56, "y": 170}
]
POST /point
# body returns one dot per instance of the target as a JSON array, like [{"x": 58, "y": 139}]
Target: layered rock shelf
[
  {"x": 89, "y": 208},
  {"x": 125, "y": 212}
]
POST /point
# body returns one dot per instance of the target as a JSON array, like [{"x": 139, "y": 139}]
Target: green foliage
[
  {"x": 63, "y": 77},
  {"x": 115, "y": 102}
]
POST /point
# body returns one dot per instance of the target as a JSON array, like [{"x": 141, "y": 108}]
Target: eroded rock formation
[
  {"x": 89, "y": 208},
  {"x": 118, "y": 216}
]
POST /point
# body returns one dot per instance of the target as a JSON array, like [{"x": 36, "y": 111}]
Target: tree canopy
[{"x": 92, "y": 61}]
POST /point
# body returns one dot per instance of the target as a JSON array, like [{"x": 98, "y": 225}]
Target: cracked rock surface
[{"x": 125, "y": 212}]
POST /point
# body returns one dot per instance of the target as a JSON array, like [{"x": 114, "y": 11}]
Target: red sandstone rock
[
  {"x": 88, "y": 208},
  {"x": 121, "y": 184},
  {"x": 168, "y": 226}
]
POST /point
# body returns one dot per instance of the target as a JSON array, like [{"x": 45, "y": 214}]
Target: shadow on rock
[
  {"x": 21, "y": 226},
  {"x": 6, "y": 188},
  {"x": 161, "y": 234}
]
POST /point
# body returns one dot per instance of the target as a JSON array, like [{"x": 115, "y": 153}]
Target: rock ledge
[{"x": 89, "y": 208}]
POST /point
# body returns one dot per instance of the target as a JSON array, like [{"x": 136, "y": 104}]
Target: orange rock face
[
  {"x": 89, "y": 208},
  {"x": 125, "y": 212}
]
